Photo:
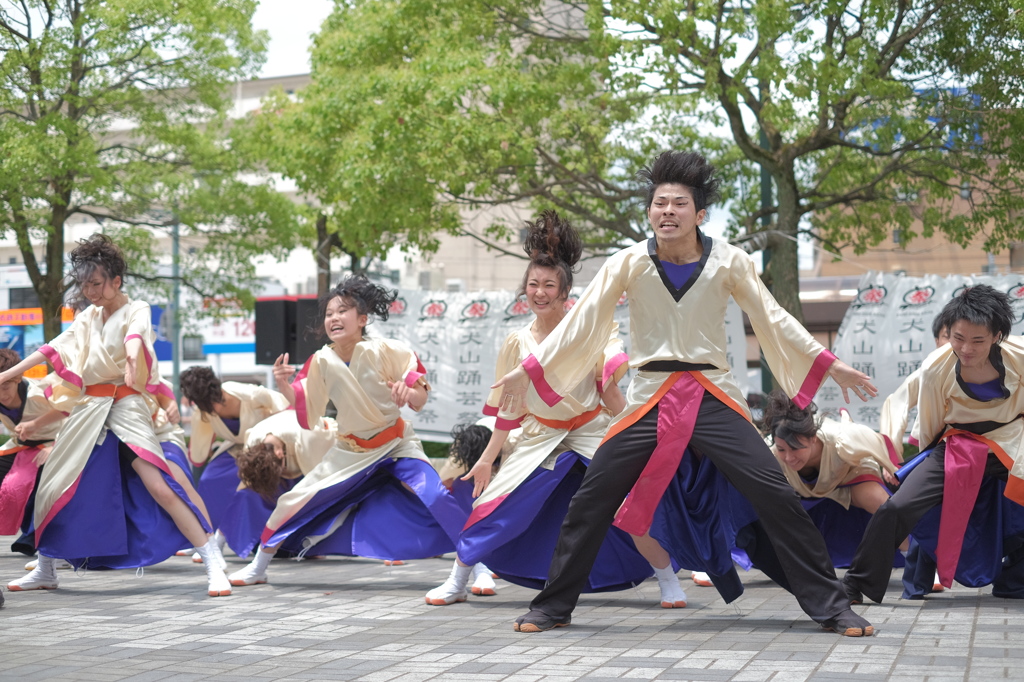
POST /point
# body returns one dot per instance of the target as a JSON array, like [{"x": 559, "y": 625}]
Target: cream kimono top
[
  {"x": 682, "y": 325},
  {"x": 360, "y": 392},
  {"x": 36, "y": 404},
  {"x": 540, "y": 444},
  {"x": 258, "y": 403},
  {"x": 91, "y": 352},
  {"x": 848, "y": 451},
  {"x": 304, "y": 448},
  {"x": 896, "y": 411},
  {"x": 945, "y": 402}
]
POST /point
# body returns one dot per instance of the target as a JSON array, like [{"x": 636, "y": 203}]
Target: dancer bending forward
[
  {"x": 969, "y": 416},
  {"x": 375, "y": 494}
]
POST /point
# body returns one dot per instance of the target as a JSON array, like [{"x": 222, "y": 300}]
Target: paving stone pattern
[{"x": 355, "y": 619}]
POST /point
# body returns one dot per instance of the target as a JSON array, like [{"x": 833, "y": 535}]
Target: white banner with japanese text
[
  {"x": 458, "y": 335},
  {"x": 887, "y": 331}
]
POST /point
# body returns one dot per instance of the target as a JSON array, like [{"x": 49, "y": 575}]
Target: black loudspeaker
[
  {"x": 287, "y": 324},
  {"x": 309, "y": 329},
  {"x": 275, "y": 328}
]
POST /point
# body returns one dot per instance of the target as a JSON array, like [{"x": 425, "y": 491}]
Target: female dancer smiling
[
  {"x": 510, "y": 527},
  {"x": 375, "y": 494}
]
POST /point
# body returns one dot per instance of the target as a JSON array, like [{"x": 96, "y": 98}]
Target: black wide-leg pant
[
  {"x": 736, "y": 448},
  {"x": 891, "y": 524}
]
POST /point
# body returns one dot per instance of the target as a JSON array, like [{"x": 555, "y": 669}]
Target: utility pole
[{"x": 175, "y": 327}]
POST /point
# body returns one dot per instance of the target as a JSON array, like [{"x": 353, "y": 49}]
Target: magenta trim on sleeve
[
  {"x": 490, "y": 411},
  {"x": 536, "y": 372},
  {"x": 913, "y": 441},
  {"x": 300, "y": 394},
  {"x": 610, "y": 368},
  {"x": 814, "y": 378},
  {"x": 412, "y": 377},
  {"x": 154, "y": 388},
  {"x": 894, "y": 456},
  {"x": 58, "y": 365},
  {"x": 508, "y": 424}
]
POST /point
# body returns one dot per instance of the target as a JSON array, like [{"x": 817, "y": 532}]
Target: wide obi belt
[
  {"x": 396, "y": 430},
  {"x": 15, "y": 450},
  {"x": 675, "y": 366},
  {"x": 570, "y": 424},
  {"x": 110, "y": 391}
]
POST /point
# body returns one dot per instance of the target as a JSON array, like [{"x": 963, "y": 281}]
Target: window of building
[
  {"x": 192, "y": 347},
  {"x": 23, "y": 297}
]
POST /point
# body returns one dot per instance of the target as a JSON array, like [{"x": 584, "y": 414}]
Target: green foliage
[
  {"x": 876, "y": 114},
  {"x": 117, "y": 110}
]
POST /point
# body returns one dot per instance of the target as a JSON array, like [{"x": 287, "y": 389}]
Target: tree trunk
[
  {"x": 784, "y": 269},
  {"x": 323, "y": 256}
]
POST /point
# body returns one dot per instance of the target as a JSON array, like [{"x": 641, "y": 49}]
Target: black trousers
[
  {"x": 737, "y": 450},
  {"x": 920, "y": 492}
]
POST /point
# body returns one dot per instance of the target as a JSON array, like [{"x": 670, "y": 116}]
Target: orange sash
[
  {"x": 110, "y": 391},
  {"x": 397, "y": 430},
  {"x": 570, "y": 424}
]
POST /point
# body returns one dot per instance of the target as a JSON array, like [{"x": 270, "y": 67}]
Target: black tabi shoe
[
  {"x": 849, "y": 624},
  {"x": 538, "y": 621}
]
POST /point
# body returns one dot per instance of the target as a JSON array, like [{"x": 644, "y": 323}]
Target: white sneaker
[
  {"x": 672, "y": 594},
  {"x": 196, "y": 559},
  {"x": 42, "y": 577},
  {"x": 185, "y": 552},
  {"x": 701, "y": 579},
  {"x": 252, "y": 574},
  {"x": 483, "y": 583},
  {"x": 60, "y": 565},
  {"x": 453, "y": 589},
  {"x": 937, "y": 585}
]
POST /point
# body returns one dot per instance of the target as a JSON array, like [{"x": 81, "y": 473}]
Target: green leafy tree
[
  {"x": 118, "y": 110},
  {"x": 874, "y": 115}
]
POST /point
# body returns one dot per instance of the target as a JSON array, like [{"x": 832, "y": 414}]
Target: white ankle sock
[
  {"x": 666, "y": 573},
  {"x": 460, "y": 575},
  {"x": 262, "y": 560}
]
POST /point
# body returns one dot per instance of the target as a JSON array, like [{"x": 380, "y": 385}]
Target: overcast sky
[{"x": 290, "y": 23}]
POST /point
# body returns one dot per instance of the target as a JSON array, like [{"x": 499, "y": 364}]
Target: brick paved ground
[{"x": 354, "y": 619}]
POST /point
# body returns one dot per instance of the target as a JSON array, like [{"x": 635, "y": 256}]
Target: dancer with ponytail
[
  {"x": 375, "y": 494},
  {"x": 678, "y": 284},
  {"x": 110, "y": 380},
  {"x": 529, "y": 494}
]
